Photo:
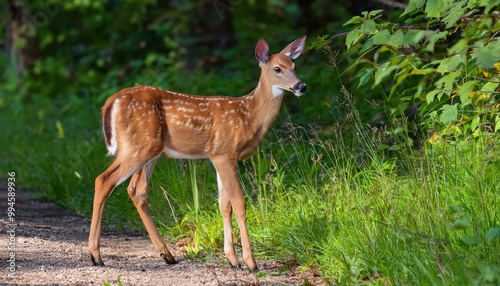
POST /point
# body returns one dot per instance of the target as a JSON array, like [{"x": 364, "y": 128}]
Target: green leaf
[
  {"x": 354, "y": 20},
  {"x": 474, "y": 123},
  {"x": 353, "y": 37},
  {"x": 454, "y": 14},
  {"x": 449, "y": 114},
  {"x": 422, "y": 71},
  {"x": 491, "y": 5},
  {"x": 366, "y": 45},
  {"x": 382, "y": 37},
  {"x": 409, "y": 38},
  {"x": 394, "y": 148},
  {"x": 461, "y": 45},
  {"x": 450, "y": 64},
  {"x": 375, "y": 13},
  {"x": 422, "y": 84},
  {"x": 489, "y": 87},
  {"x": 470, "y": 241},
  {"x": 398, "y": 130},
  {"x": 412, "y": 6},
  {"x": 433, "y": 39},
  {"x": 396, "y": 39},
  {"x": 420, "y": 35},
  {"x": 432, "y": 95},
  {"x": 462, "y": 222},
  {"x": 383, "y": 71},
  {"x": 464, "y": 90},
  {"x": 435, "y": 8},
  {"x": 365, "y": 76},
  {"x": 487, "y": 56},
  {"x": 446, "y": 82},
  {"x": 369, "y": 27},
  {"x": 497, "y": 123},
  {"x": 457, "y": 209},
  {"x": 320, "y": 42}
]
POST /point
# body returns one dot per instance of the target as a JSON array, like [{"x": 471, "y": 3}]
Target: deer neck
[{"x": 266, "y": 101}]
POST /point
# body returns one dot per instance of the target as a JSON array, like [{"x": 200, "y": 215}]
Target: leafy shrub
[{"x": 441, "y": 56}]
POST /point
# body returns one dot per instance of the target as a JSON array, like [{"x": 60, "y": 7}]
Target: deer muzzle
[{"x": 299, "y": 88}]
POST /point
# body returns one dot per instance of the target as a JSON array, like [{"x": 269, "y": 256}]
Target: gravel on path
[{"x": 51, "y": 249}]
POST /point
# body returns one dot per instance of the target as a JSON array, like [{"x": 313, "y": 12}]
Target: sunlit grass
[
  {"x": 420, "y": 220},
  {"x": 359, "y": 219}
]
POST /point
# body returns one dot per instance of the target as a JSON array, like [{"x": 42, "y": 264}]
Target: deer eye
[{"x": 277, "y": 69}]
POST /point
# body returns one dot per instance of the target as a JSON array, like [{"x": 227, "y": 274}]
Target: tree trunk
[{"x": 20, "y": 42}]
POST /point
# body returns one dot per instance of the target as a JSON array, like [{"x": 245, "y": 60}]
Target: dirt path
[{"x": 51, "y": 249}]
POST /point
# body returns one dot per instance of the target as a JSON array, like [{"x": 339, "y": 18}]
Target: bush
[{"x": 441, "y": 57}]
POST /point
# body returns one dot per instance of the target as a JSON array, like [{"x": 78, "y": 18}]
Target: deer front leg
[
  {"x": 227, "y": 174},
  {"x": 226, "y": 211},
  {"x": 138, "y": 190}
]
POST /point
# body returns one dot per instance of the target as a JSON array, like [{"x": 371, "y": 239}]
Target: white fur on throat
[{"x": 277, "y": 91}]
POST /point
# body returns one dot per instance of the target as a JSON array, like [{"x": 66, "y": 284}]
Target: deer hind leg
[
  {"x": 118, "y": 172},
  {"x": 138, "y": 191},
  {"x": 227, "y": 173}
]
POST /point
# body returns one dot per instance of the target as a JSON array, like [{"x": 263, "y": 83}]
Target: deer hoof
[
  {"x": 169, "y": 259},
  {"x": 253, "y": 270},
  {"x": 236, "y": 266},
  {"x": 96, "y": 263}
]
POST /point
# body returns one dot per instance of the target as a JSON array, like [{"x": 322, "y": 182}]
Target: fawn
[{"x": 142, "y": 122}]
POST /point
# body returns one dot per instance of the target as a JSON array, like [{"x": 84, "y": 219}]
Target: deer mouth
[{"x": 299, "y": 89}]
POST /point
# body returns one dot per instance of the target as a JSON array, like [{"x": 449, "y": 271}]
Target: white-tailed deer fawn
[{"x": 142, "y": 122}]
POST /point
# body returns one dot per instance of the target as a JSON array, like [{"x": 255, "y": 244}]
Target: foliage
[{"x": 441, "y": 56}]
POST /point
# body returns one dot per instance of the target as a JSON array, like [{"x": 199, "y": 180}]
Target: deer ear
[
  {"x": 295, "y": 48},
  {"x": 261, "y": 51}
]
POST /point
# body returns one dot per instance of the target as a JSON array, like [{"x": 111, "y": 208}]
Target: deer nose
[{"x": 301, "y": 86}]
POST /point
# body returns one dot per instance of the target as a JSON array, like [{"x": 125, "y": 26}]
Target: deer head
[{"x": 279, "y": 69}]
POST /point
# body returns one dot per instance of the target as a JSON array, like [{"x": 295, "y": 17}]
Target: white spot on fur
[
  {"x": 113, "y": 147},
  {"x": 185, "y": 109}
]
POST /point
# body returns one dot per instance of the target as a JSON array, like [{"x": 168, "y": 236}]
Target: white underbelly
[{"x": 179, "y": 155}]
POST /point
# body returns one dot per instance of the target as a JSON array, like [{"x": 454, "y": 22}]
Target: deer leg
[
  {"x": 227, "y": 171},
  {"x": 226, "y": 211},
  {"x": 104, "y": 185},
  {"x": 138, "y": 191}
]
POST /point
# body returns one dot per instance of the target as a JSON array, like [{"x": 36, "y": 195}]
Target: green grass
[
  {"x": 354, "y": 212},
  {"x": 329, "y": 198},
  {"x": 401, "y": 219}
]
